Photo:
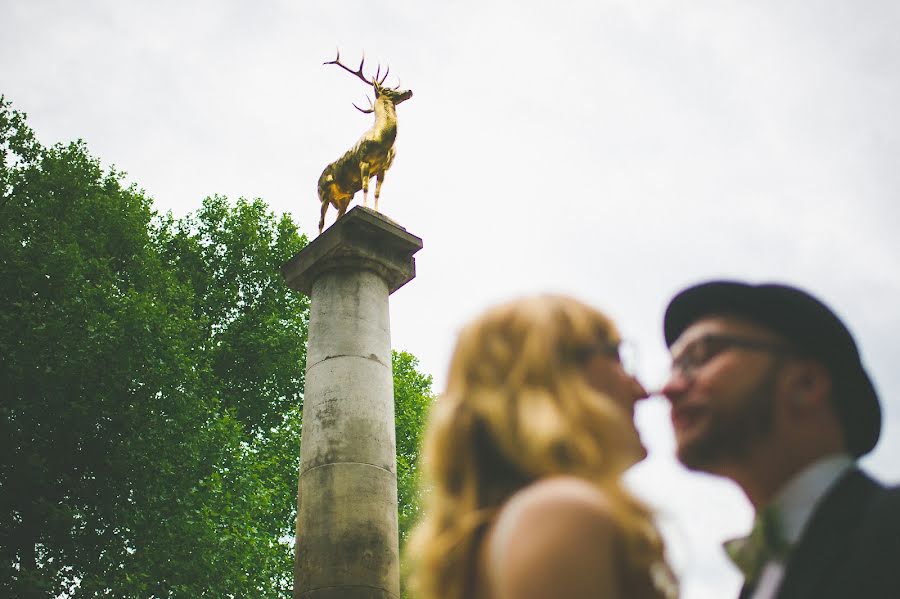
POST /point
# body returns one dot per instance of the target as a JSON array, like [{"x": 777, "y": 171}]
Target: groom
[{"x": 767, "y": 389}]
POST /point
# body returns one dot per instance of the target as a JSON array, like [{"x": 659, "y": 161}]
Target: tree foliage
[
  {"x": 151, "y": 387},
  {"x": 95, "y": 380},
  {"x": 412, "y": 398}
]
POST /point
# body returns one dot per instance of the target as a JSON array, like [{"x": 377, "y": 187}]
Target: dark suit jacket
[{"x": 851, "y": 546}]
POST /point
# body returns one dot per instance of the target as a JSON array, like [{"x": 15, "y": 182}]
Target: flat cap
[{"x": 809, "y": 325}]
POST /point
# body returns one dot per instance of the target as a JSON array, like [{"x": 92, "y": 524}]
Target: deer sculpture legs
[
  {"x": 333, "y": 194},
  {"x": 378, "y": 181},
  {"x": 365, "y": 176}
]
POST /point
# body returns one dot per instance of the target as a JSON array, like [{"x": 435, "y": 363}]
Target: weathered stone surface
[
  {"x": 348, "y": 414},
  {"x": 349, "y": 316},
  {"x": 349, "y": 593},
  {"x": 347, "y": 532},
  {"x": 362, "y": 239}
]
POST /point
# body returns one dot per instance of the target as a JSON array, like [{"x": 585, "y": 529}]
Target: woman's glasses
[{"x": 623, "y": 351}]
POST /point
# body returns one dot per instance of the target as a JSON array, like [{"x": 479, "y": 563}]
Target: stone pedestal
[{"x": 347, "y": 539}]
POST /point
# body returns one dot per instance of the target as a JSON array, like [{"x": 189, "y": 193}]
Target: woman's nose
[{"x": 639, "y": 390}]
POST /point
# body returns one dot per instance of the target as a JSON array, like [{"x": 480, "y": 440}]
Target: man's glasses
[{"x": 700, "y": 351}]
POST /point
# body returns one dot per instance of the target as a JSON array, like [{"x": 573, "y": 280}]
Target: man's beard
[{"x": 729, "y": 436}]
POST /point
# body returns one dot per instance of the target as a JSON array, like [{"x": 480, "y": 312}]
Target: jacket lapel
[{"x": 826, "y": 536}]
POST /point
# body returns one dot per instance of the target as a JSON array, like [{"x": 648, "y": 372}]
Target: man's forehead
[{"x": 722, "y": 324}]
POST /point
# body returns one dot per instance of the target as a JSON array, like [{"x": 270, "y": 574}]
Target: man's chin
[{"x": 696, "y": 457}]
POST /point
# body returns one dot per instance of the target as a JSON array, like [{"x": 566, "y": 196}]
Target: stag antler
[
  {"x": 377, "y": 82},
  {"x": 370, "y": 110},
  {"x": 358, "y": 72},
  {"x": 378, "y": 72}
]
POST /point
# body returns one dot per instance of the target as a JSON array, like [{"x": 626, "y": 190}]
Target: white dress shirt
[{"x": 795, "y": 503}]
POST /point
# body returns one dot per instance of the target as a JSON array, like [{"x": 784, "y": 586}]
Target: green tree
[
  {"x": 97, "y": 387},
  {"x": 251, "y": 365},
  {"x": 412, "y": 398},
  {"x": 151, "y": 386}
]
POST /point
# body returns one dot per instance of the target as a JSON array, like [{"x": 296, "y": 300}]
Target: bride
[{"x": 522, "y": 459}]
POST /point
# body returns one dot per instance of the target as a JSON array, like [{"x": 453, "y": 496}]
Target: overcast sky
[{"x": 616, "y": 150}]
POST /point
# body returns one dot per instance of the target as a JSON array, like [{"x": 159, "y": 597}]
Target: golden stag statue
[{"x": 371, "y": 156}]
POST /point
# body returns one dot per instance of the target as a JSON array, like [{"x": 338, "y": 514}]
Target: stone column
[{"x": 347, "y": 539}]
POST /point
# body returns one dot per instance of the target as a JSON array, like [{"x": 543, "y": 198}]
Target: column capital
[{"x": 361, "y": 240}]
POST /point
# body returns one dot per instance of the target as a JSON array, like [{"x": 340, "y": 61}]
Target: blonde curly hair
[{"x": 518, "y": 408}]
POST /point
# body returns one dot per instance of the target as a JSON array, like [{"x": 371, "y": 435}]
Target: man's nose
[{"x": 675, "y": 385}]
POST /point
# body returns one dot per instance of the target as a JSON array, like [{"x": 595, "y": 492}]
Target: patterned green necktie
[{"x": 765, "y": 542}]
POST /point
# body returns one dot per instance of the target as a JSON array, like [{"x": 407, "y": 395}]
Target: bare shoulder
[
  {"x": 571, "y": 497},
  {"x": 557, "y": 537}
]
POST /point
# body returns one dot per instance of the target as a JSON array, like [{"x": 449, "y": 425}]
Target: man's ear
[{"x": 809, "y": 384}]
